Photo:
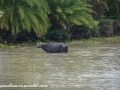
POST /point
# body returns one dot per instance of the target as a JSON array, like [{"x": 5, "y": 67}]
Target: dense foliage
[
  {"x": 57, "y": 20},
  {"x": 23, "y": 15},
  {"x": 69, "y": 12}
]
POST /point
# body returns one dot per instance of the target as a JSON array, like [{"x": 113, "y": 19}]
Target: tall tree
[
  {"x": 68, "y": 12},
  {"x": 23, "y": 14}
]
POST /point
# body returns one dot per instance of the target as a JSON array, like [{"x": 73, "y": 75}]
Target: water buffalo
[{"x": 53, "y": 47}]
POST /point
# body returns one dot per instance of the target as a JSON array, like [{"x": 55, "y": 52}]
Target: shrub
[
  {"x": 106, "y": 27},
  {"x": 25, "y": 36},
  {"x": 56, "y": 35},
  {"x": 83, "y": 31}
]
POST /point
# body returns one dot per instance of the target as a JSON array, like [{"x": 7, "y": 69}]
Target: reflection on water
[{"x": 85, "y": 67}]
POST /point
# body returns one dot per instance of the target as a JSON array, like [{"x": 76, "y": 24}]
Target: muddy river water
[{"x": 84, "y": 67}]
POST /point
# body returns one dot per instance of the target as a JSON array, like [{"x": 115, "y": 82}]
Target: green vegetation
[
  {"x": 58, "y": 20},
  {"x": 97, "y": 40},
  {"x": 23, "y": 15},
  {"x": 92, "y": 41},
  {"x": 69, "y": 12}
]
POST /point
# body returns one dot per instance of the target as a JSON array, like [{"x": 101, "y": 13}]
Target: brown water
[{"x": 85, "y": 67}]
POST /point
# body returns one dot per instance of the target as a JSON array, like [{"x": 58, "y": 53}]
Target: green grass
[
  {"x": 29, "y": 43},
  {"x": 96, "y": 40},
  {"x": 6, "y": 46}
]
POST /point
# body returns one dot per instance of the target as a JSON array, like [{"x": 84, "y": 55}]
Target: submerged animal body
[{"x": 54, "y": 47}]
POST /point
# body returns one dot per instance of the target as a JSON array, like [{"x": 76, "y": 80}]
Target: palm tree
[
  {"x": 23, "y": 14},
  {"x": 69, "y": 12}
]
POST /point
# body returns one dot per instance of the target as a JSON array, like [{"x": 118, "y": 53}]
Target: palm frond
[
  {"x": 70, "y": 11},
  {"x": 73, "y": 20},
  {"x": 23, "y": 14},
  {"x": 59, "y": 10},
  {"x": 21, "y": 11}
]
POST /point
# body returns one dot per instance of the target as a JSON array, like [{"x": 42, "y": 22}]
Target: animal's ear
[{"x": 40, "y": 42}]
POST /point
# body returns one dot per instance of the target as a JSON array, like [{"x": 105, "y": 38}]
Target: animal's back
[{"x": 55, "y": 48}]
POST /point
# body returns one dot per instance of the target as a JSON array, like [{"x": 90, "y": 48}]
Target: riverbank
[{"x": 96, "y": 40}]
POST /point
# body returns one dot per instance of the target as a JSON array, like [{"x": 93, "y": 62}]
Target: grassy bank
[
  {"x": 29, "y": 43},
  {"x": 97, "y": 40},
  {"x": 81, "y": 41}
]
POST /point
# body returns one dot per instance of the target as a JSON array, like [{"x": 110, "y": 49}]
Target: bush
[
  {"x": 25, "y": 36},
  {"x": 106, "y": 27},
  {"x": 83, "y": 31},
  {"x": 56, "y": 35},
  {"x": 116, "y": 27}
]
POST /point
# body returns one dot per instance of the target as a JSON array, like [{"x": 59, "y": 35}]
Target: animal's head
[{"x": 39, "y": 45}]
